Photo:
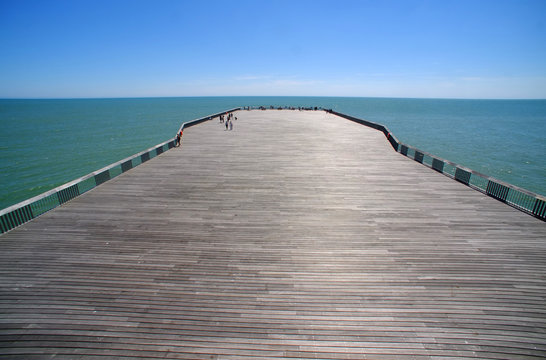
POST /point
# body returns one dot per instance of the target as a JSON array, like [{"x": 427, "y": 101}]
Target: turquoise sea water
[{"x": 46, "y": 143}]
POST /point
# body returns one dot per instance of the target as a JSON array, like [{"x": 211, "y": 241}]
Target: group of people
[
  {"x": 228, "y": 121},
  {"x": 271, "y": 107}
]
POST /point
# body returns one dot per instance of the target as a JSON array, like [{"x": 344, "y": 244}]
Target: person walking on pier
[
  {"x": 178, "y": 139},
  {"x": 231, "y": 125}
]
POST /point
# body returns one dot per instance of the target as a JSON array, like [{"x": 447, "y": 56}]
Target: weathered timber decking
[{"x": 296, "y": 235}]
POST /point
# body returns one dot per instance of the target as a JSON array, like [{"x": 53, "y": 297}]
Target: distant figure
[
  {"x": 231, "y": 125},
  {"x": 227, "y": 124},
  {"x": 178, "y": 138}
]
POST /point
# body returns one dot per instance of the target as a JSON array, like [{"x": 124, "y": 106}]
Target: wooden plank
[{"x": 298, "y": 234}]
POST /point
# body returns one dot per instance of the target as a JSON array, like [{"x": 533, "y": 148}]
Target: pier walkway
[{"x": 299, "y": 235}]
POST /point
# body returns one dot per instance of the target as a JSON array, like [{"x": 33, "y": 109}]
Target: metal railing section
[
  {"x": 521, "y": 199},
  {"x": 392, "y": 139},
  {"x": 272, "y": 107},
  {"x": 27, "y": 210}
]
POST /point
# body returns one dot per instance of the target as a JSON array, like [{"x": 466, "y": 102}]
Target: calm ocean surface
[{"x": 46, "y": 143}]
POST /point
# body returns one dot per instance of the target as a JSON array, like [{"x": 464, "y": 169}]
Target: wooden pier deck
[{"x": 297, "y": 235}]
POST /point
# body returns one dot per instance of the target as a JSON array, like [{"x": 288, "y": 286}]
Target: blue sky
[{"x": 404, "y": 48}]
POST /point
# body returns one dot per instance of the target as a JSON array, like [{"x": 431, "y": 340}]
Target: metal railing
[
  {"x": 521, "y": 199},
  {"x": 18, "y": 214},
  {"x": 273, "y": 107}
]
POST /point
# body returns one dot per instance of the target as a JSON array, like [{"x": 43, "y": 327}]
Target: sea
[{"x": 45, "y": 143}]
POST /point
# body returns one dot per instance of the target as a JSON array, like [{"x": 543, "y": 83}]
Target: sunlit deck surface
[{"x": 298, "y": 234}]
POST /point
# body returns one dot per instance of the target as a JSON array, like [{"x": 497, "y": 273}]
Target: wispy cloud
[
  {"x": 410, "y": 86},
  {"x": 252, "y": 77},
  {"x": 293, "y": 82},
  {"x": 277, "y": 80},
  {"x": 472, "y": 78}
]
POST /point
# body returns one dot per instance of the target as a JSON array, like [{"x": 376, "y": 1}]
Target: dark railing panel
[
  {"x": 3, "y": 225},
  {"x": 15, "y": 218},
  {"x": 68, "y": 194},
  {"x": 404, "y": 150},
  {"x": 28, "y": 211},
  {"x": 102, "y": 177},
  {"x": 159, "y": 151},
  {"x": 462, "y": 176},
  {"x": 437, "y": 165},
  {"x": 539, "y": 209},
  {"x": 498, "y": 191},
  {"x": 144, "y": 157},
  {"x": 127, "y": 165},
  {"x": 6, "y": 223},
  {"x": 418, "y": 157}
]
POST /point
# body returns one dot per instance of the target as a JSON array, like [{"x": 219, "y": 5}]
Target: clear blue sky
[{"x": 404, "y": 48}]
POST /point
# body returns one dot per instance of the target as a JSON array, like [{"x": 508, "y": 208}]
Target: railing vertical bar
[
  {"x": 539, "y": 209},
  {"x": 17, "y": 216},
  {"x": 11, "y": 220},
  {"x": 5, "y": 225}
]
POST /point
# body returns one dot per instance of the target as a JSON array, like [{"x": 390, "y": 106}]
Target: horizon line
[{"x": 260, "y": 96}]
